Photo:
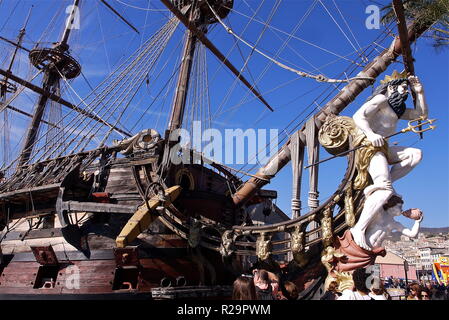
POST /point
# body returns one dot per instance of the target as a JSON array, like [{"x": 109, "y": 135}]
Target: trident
[{"x": 413, "y": 125}]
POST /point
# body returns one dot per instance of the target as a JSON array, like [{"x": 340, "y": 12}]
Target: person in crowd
[
  {"x": 264, "y": 290},
  {"x": 291, "y": 291},
  {"x": 447, "y": 292},
  {"x": 275, "y": 286},
  {"x": 415, "y": 292},
  {"x": 425, "y": 294},
  {"x": 360, "y": 291},
  {"x": 244, "y": 289},
  {"x": 390, "y": 282},
  {"x": 396, "y": 283},
  {"x": 378, "y": 291},
  {"x": 431, "y": 289},
  {"x": 331, "y": 292},
  {"x": 439, "y": 294}
]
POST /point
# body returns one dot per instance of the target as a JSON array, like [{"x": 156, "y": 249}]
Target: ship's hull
[
  {"x": 85, "y": 263},
  {"x": 161, "y": 274}
]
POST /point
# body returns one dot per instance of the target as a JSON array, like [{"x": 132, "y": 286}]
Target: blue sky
[{"x": 317, "y": 44}]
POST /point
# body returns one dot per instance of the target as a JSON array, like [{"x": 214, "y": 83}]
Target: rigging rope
[
  {"x": 380, "y": 38},
  {"x": 350, "y": 30},
  {"x": 294, "y": 36},
  {"x": 339, "y": 27},
  {"x": 226, "y": 98},
  {"x": 80, "y": 124},
  {"x": 140, "y": 8},
  {"x": 131, "y": 82},
  {"x": 278, "y": 52},
  {"x": 319, "y": 78}
]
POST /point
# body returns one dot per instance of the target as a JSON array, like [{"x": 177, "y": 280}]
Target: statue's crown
[{"x": 395, "y": 76}]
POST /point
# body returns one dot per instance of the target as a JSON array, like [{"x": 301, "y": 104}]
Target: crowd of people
[
  {"x": 428, "y": 291},
  {"x": 264, "y": 285},
  {"x": 367, "y": 287}
]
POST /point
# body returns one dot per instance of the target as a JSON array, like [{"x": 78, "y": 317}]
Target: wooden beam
[
  {"x": 202, "y": 37},
  {"x": 76, "y": 206},
  {"x": 30, "y": 115},
  {"x": 60, "y": 100},
  {"x": 405, "y": 43},
  {"x": 144, "y": 216},
  {"x": 182, "y": 87},
  {"x": 14, "y": 44},
  {"x": 49, "y": 187},
  {"x": 119, "y": 15},
  {"x": 403, "y": 36}
]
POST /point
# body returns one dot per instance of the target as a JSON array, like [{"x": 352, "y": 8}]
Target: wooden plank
[
  {"x": 28, "y": 190},
  {"x": 90, "y": 263},
  {"x": 97, "y": 207},
  {"x": 143, "y": 217},
  {"x": 89, "y": 290}
]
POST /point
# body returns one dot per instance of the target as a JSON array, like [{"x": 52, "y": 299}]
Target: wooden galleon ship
[{"x": 122, "y": 219}]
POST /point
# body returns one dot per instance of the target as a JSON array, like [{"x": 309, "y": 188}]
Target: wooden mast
[
  {"x": 183, "y": 80},
  {"x": 5, "y": 87},
  {"x": 208, "y": 44},
  {"x": 50, "y": 83},
  {"x": 406, "y": 50}
]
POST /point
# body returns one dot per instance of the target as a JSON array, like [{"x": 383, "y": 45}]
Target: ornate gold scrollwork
[
  {"x": 344, "y": 280},
  {"x": 145, "y": 140},
  {"x": 227, "y": 246},
  {"x": 329, "y": 258},
  {"x": 349, "y": 207},
  {"x": 334, "y": 134},
  {"x": 340, "y": 133},
  {"x": 297, "y": 243},
  {"x": 264, "y": 247},
  {"x": 297, "y": 246},
  {"x": 326, "y": 227}
]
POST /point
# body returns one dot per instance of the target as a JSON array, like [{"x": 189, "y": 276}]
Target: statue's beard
[{"x": 397, "y": 102}]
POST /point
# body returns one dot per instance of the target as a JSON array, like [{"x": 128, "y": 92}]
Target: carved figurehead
[
  {"x": 378, "y": 166},
  {"x": 377, "y": 118},
  {"x": 384, "y": 224}
]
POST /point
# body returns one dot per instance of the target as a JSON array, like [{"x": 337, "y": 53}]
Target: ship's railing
[
  {"x": 293, "y": 234},
  {"x": 51, "y": 171}
]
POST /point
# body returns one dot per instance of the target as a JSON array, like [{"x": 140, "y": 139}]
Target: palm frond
[{"x": 425, "y": 12}]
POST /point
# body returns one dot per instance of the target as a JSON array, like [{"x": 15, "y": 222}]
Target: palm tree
[{"x": 424, "y": 13}]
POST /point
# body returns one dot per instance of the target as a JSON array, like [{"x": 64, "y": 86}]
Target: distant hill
[
  {"x": 434, "y": 231},
  {"x": 396, "y": 236}
]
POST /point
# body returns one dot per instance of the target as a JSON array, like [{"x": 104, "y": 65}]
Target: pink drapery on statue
[{"x": 354, "y": 256}]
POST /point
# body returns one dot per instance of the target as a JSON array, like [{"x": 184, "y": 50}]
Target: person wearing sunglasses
[{"x": 425, "y": 294}]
